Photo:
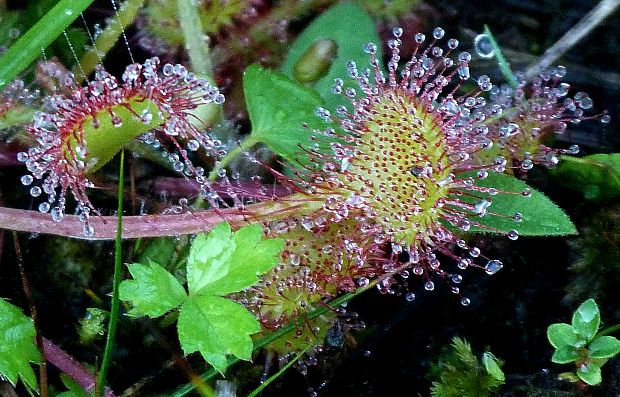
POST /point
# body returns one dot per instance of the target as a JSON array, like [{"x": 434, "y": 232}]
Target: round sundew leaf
[
  {"x": 351, "y": 28},
  {"x": 540, "y": 215}
]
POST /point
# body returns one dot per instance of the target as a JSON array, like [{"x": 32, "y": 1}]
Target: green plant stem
[
  {"x": 247, "y": 144},
  {"x": 504, "y": 66},
  {"x": 37, "y": 38},
  {"x": 127, "y": 12},
  {"x": 275, "y": 376},
  {"x": 199, "y": 57},
  {"x": 194, "y": 36},
  {"x": 609, "y": 330},
  {"x": 112, "y": 325}
]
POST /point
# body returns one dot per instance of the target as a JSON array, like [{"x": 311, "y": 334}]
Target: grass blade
[{"x": 42, "y": 34}]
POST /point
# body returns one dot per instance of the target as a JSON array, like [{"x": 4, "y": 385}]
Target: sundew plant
[{"x": 257, "y": 166}]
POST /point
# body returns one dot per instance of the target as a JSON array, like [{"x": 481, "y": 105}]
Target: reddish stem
[
  {"x": 152, "y": 225},
  {"x": 71, "y": 367}
]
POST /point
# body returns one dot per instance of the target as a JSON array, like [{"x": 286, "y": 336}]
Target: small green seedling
[{"x": 582, "y": 344}]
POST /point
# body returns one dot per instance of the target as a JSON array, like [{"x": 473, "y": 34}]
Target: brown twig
[
  {"x": 33, "y": 314},
  {"x": 574, "y": 35}
]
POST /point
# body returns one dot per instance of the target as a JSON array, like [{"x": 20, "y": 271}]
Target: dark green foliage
[
  {"x": 597, "y": 263},
  {"x": 597, "y": 176},
  {"x": 460, "y": 374}
]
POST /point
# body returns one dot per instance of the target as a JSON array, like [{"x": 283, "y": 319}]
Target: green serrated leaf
[
  {"x": 541, "y": 217},
  {"x": 282, "y": 112},
  {"x": 565, "y": 355},
  {"x": 215, "y": 327},
  {"x": 604, "y": 347},
  {"x": 196, "y": 334},
  {"x": 153, "y": 291},
  {"x": 159, "y": 249},
  {"x": 587, "y": 319},
  {"x": 218, "y": 264},
  {"x": 222, "y": 263},
  {"x": 226, "y": 315},
  {"x": 562, "y": 335},
  {"x": 351, "y": 28},
  {"x": 590, "y": 373},
  {"x": 17, "y": 346},
  {"x": 209, "y": 257},
  {"x": 596, "y": 176}
]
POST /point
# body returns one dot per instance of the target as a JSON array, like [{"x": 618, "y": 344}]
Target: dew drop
[
  {"x": 573, "y": 149},
  {"x": 26, "y": 180},
  {"x": 146, "y": 116},
  {"x": 219, "y": 99},
  {"x": 178, "y": 166},
  {"x": 363, "y": 282},
  {"x": 370, "y": 48},
  {"x": 35, "y": 191},
  {"x": 463, "y": 72},
  {"x": 88, "y": 230},
  {"x": 57, "y": 214},
  {"x": 14, "y": 33},
  {"x": 527, "y": 164},
  {"x": 168, "y": 69},
  {"x": 493, "y": 266},
  {"x": 465, "y": 301},
  {"x": 518, "y": 217},
  {"x": 193, "y": 145},
  {"x": 438, "y": 33},
  {"x": 429, "y": 285},
  {"x": 483, "y": 46},
  {"x": 409, "y": 296},
  {"x": 513, "y": 235},
  {"x": 116, "y": 121},
  {"x": 464, "y": 263},
  {"x": 605, "y": 119},
  {"x": 44, "y": 207}
]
